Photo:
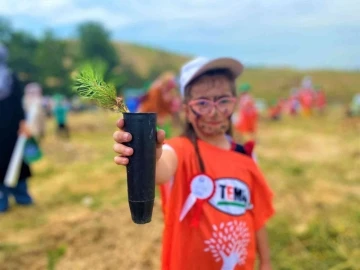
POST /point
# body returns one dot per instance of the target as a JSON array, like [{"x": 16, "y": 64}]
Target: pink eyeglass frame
[{"x": 213, "y": 103}]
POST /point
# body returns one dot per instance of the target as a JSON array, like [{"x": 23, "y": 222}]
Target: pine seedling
[{"x": 89, "y": 84}]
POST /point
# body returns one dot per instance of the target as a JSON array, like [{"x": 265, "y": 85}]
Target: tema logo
[{"x": 231, "y": 196}]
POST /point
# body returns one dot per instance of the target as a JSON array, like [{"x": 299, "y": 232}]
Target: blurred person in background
[
  {"x": 306, "y": 96},
  {"x": 163, "y": 98},
  {"x": 33, "y": 97},
  {"x": 47, "y": 105},
  {"x": 275, "y": 110},
  {"x": 354, "y": 106},
  {"x": 60, "y": 111},
  {"x": 294, "y": 104},
  {"x": 247, "y": 116},
  {"x": 11, "y": 125},
  {"x": 320, "y": 100}
]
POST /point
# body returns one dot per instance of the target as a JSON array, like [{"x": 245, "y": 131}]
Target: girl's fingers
[
  {"x": 160, "y": 136},
  {"x": 120, "y": 123},
  {"x": 122, "y": 149},
  {"x": 119, "y": 160},
  {"x": 121, "y": 136}
]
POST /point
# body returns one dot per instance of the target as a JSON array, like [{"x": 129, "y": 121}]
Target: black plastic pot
[{"x": 141, "y": 167}]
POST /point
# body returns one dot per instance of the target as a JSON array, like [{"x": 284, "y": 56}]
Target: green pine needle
[{"x": 89, "y": 84}]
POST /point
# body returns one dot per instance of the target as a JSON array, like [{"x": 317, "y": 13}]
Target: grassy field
[{"x": 81, "y": 218}]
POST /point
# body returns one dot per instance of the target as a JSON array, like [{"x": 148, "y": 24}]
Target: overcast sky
[{"x": 297, "y": 33}]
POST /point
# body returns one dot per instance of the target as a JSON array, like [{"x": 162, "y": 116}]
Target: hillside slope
[{"x": 268, "y": 83}]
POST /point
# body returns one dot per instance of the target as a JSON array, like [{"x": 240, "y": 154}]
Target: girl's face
[{"x": 210, "y": 105}]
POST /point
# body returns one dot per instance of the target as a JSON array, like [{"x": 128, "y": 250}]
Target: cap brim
[{"x": 235, "y": 67}]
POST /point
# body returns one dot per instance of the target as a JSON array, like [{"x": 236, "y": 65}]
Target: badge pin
[{"x": 201, "y": 188}]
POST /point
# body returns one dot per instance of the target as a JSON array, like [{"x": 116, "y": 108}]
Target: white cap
[{"x": 200, "y": 65}]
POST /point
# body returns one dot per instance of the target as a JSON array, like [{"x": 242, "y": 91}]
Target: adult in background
[{"x": 11, "y": 125}]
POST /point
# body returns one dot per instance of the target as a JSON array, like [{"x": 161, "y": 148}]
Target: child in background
[
  {"x": 162, "y": 98},
  {"x": 248, "y": 115},
  {"x": 60, "y": 112},
  {"x": 220, "y": 202},
  {"x": 320, "y": 100},
  {"x": 294, "y": 103},
  {"x": 275, "y": 111},
  {"x": 306, "y": 97}
]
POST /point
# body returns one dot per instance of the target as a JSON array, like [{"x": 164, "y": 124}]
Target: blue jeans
[{"x": 20, "y": 193}]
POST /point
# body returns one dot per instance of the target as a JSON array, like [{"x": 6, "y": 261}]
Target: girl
[{"x": 220, "y": 202}]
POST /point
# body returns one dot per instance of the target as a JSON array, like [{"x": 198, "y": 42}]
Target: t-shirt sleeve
[
  {"x": 177, "y": 145},
  {"x": 262, "y": 195}
]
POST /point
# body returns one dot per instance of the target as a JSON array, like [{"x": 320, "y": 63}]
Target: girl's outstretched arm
[{"x": 166, "y": 166}]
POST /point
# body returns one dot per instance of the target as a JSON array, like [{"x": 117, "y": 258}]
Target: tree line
[{"x": 51, "y": 61}]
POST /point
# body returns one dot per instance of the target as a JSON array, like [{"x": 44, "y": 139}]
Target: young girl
[{"x": 220, "y": 202}]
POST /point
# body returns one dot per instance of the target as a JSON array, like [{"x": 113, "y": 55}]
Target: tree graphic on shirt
[{"x": 229, "y": 243}]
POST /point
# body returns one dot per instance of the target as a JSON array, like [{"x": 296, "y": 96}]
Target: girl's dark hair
[{"x": 189, "y": 130}]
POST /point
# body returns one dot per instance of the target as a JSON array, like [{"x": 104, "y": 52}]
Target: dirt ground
[{"x": 94, "y": 241}]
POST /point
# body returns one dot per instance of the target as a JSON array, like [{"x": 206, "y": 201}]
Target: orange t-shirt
[
  {"x": 306, "y": 98},
  {"x": 247, "y": 114},
  {"x": 240, "y": 205}
]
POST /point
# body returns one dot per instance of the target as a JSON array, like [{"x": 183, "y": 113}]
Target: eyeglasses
[{"x": 225, "y": 105}]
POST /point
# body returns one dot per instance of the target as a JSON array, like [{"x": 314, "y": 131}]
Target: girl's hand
[{"x": 122, "y": 137}]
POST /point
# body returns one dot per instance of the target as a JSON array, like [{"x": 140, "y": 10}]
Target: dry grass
[{"x": 81, "y": 219}]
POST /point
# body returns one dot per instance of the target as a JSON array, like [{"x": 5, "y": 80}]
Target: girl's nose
[{"x": 214, "y": 111}]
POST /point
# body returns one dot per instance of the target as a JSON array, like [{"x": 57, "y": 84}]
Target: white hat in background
[{"x": 200, "y": 65}]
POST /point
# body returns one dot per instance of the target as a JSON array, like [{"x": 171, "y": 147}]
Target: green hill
[
  {"x": 145, "y": 59},
  {"x": 267, "y": 83}
]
